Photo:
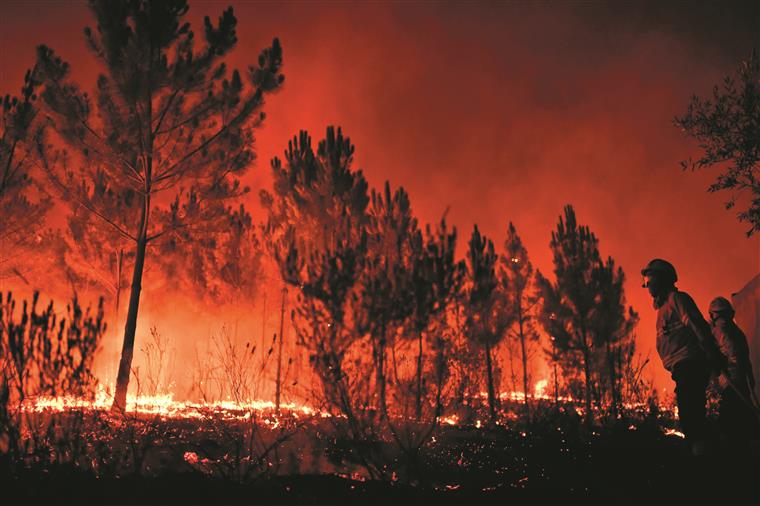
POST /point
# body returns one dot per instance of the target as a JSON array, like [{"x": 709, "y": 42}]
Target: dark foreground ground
[{"x": 627, "y": 464}]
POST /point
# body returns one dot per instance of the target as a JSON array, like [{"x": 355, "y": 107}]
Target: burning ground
[
  {"x": 73, "y": 447},
  {"x": 162, "y": 451},
  {"x": 60, "y": 447}
]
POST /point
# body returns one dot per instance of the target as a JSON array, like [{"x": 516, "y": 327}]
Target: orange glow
[
  {"x": 165, "y": 406},
  {"x": 499, "y": 112},
  {"x": 674, "y": 432}
]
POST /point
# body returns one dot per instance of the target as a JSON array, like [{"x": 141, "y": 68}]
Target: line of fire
[{"x": 201, "y": 301}]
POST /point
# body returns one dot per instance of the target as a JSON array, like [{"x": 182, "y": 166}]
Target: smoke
[{"x": 495, "y": 111}]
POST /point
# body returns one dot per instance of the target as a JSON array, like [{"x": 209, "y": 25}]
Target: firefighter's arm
[{"x": 692, "y": 318}]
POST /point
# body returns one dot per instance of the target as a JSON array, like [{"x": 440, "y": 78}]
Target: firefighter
[
  {"x": 736, "y": 417},
  {"x": 686, "y": 347}
]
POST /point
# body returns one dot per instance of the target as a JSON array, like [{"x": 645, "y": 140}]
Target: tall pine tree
[
  {"x": 22, "y": 211},
  {"x": 316, "y": 231},
  {"x": 585, "y": 313},
  {"x": 569, "y": 303},
  {"x": 488, "y": 315},
  {"x": 516, "y": 273},
  {"x": 385, "y": 298},
  {"x": 613, "y": 325},
  {"x": 167, "y": 121}
]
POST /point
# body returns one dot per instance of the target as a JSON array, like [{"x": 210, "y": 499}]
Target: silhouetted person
[
  {"x": 687, "y": 348},
  {"x": 736, "y": 419}
]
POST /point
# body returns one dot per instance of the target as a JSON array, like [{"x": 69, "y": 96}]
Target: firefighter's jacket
[
  {"x": 682, "y": 332},
  {"x": 733, "y": 344}
]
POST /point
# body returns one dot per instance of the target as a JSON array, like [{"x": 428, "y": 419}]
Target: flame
[
  {"x": 539, "y": 392},
  {"x": 540, "y": 388},
  {"x": 674, "y": 432},
  {"x": 164, "y": 405}
]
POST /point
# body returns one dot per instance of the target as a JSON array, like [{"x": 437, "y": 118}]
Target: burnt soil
[{"x": 547, "y": 463}]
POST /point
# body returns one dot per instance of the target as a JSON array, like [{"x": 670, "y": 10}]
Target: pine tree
[
  {"x": 585, "y": 312},
  {"x": 516, "y": 274},
  {"x": 316, "y": 231},
  {"x": 569, "y": 303},
  {"x": 488, "y": 315},
  {"x": 22, "y": 212},
  {"x": 313, "y": 191},
  {"x": 385, "y": 297},
  {"x": 436, "y": 279},
  {"x": 166, "y": 122},
  {"x": 613, "y": 325}
]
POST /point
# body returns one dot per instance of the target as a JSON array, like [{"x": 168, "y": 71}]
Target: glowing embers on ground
[
  {"x": 540, "y": 391},
  {"x": 165, "y": 406}
]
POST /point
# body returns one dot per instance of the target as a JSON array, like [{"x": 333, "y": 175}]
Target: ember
[
  {"x": 165, "y": 406},
  {"x": 675, "y": 433}
]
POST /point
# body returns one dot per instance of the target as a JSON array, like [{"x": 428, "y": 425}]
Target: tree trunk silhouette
[
  {"x": 419, "y": 377},
  {"x": 380, "y": 370},
  {"x": 491, "y": 390},
  {"x": 279, "y": 352},
  {"x": 525, "y": 368},
  {"x": 587, "y": 380},
  {"x": 556, "y": 377},
  {"x": 127, "y": 350},
  {"x": 512, "y": 374},
  {"x": 615, "y": 398}
]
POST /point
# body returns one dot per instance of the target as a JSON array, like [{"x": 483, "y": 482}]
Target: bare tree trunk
[
  {"x": 127, "y": 351},
  {"x": 587, "y": 377},
  {"x": 419, "y": 378},
  {"x": 264, "y": 321},
  {"x": 556, "y": 376},
  {"x": 491, "y": 392},
  {"x": 512, "y": 374},
  {"x": 613, "y": 381},
  {"x": 380, "y": 372},
  {"x": 262, "y": 346},
  {"x": 279, "y": 352},
  {"x": 525, "y": 368},
  {"x": 598, "y": 388}
]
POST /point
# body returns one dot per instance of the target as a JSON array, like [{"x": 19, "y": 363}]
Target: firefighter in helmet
[
  {"x": 736, "y": 418},
  {"x": 686, "y": 347}
]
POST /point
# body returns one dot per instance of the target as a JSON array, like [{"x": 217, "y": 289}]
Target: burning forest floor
[{"x": 232, "y": 454}]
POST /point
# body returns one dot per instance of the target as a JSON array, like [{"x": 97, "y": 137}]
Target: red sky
[{"x": 498, "y": 111}]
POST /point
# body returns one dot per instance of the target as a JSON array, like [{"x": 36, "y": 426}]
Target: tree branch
[
  {"x": 65, "y": 191},
  {"x": 166, "y": 110}
]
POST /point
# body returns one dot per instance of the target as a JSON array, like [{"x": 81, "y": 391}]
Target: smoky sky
[{"x": 496, "y": 112}]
